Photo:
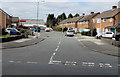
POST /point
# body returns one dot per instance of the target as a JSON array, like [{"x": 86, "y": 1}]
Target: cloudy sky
[{"x": 27, "y": 9}]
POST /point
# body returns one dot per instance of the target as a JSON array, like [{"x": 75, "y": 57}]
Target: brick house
[
  {"x": 105, "y": 20},
  {"x": 71, "y": 22},
  {"x": 86, "y": 22},
  {"x": 5, "y": 19}
]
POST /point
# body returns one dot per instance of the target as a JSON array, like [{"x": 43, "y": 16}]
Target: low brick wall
[{"x": 111, "y": 41}]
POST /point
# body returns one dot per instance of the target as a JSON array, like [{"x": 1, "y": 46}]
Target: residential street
[{"x": 57, "y": 55}]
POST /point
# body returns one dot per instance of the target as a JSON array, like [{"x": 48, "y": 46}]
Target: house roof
[
  {"x": 5, "y": 12},
  {"x": 75, "y": 19},
  {"x": 109, "y": 13},
  {"x": 117, "y": 25},
  {"x": 88, "y": 17},
  {"x": 109, "y": 27}
]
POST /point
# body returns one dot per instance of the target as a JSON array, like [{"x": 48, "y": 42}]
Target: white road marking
[
  {"x": 56, "y": 62},
  {"x": 54, "y": 54},
  {"x": 70, "y": 63},
  {"x": 58, "y": 46},
  {"x": 105, "y": 65},
  {"x": 56, "y": 49},
  {"x": 11, "y": 61},
  {"x": 59, "y": 43},
  {"x": 51, "y": 60},
  {"x": 74, "y": 64},
  {"x": 31, "y": 62}
]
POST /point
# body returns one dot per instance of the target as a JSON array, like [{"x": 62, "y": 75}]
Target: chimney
[
  {"x": 83, "y": 14},
  {"x": 91, "y": 12},
  {"x": 98, "y": 13},
  {"x": 114, "y": 7}
]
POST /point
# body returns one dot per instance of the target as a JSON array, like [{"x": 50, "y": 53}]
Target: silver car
[{"x": 69, "y": 33}]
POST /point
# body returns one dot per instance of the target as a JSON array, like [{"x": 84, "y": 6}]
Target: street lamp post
[{"x": 37, "y": 17}]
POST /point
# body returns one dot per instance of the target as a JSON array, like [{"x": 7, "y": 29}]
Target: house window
[
  {"x": 104, "y": 20},
  {"x": 111, "y": 19},
  {"x": 80, "y": 22},
  {"x": 98, "y": 20}
]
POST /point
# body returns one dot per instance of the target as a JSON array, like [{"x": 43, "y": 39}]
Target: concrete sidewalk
[
  {"x": 98, "y": 45},
  {"x": 24, "y": 42}
]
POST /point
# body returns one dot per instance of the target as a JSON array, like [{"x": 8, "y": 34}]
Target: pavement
[
  {"x": 98, "y": 45},
  {"x": 32, "y": 40}
]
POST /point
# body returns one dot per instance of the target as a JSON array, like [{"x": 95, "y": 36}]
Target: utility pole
[{"x": 37, "y": 17}]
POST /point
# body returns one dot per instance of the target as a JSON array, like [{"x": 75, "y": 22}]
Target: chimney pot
[
  {"x": 83, "y": 14},
  {"x": 91, "y": 12},
  {"x": 114, "y": 7}
]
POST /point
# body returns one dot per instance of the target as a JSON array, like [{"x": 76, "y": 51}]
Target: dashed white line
[
  {"x": 11, "y": 61},
  {"x": 59, "y": 43},
  {"x": 31, "y": 62},
  {"x": 54, "y": 54},
  {"x": 56, "y": 49},
  {"x": 51, "y": 60}
]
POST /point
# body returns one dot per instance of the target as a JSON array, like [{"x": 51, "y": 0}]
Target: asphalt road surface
[{"x": 57, "y": 55}]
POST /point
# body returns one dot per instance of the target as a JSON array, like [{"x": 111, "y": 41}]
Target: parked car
[
  {"x": 69, "y": 33},
  {"x": 116, "y": 37},
  {"x": 47, "y": 30},
  {"x": 12, "y": 31},
  {"x": 107, "y": 34}
]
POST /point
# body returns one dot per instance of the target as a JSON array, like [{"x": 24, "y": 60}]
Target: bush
[
  {"x": 23, "y": 30},
  {"x": 58, "y": 28}
]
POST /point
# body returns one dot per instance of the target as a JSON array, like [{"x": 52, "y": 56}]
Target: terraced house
[
  {"x": 86, "y": 22},
  {"x": 107, "y": 19},
  {"x": 101, "y": 21},
  {"x": 71, "y": 22},
  {"x": 80, "y": 23}
]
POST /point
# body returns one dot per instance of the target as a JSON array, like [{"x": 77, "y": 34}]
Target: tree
[
  {"x": 51, "y": 20},
  {"x": 76, "y": 15},
  {"x": 60, "y": 18},
  {"x": 70, "y": 16},
  {"x": 63, "y": 16}
]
